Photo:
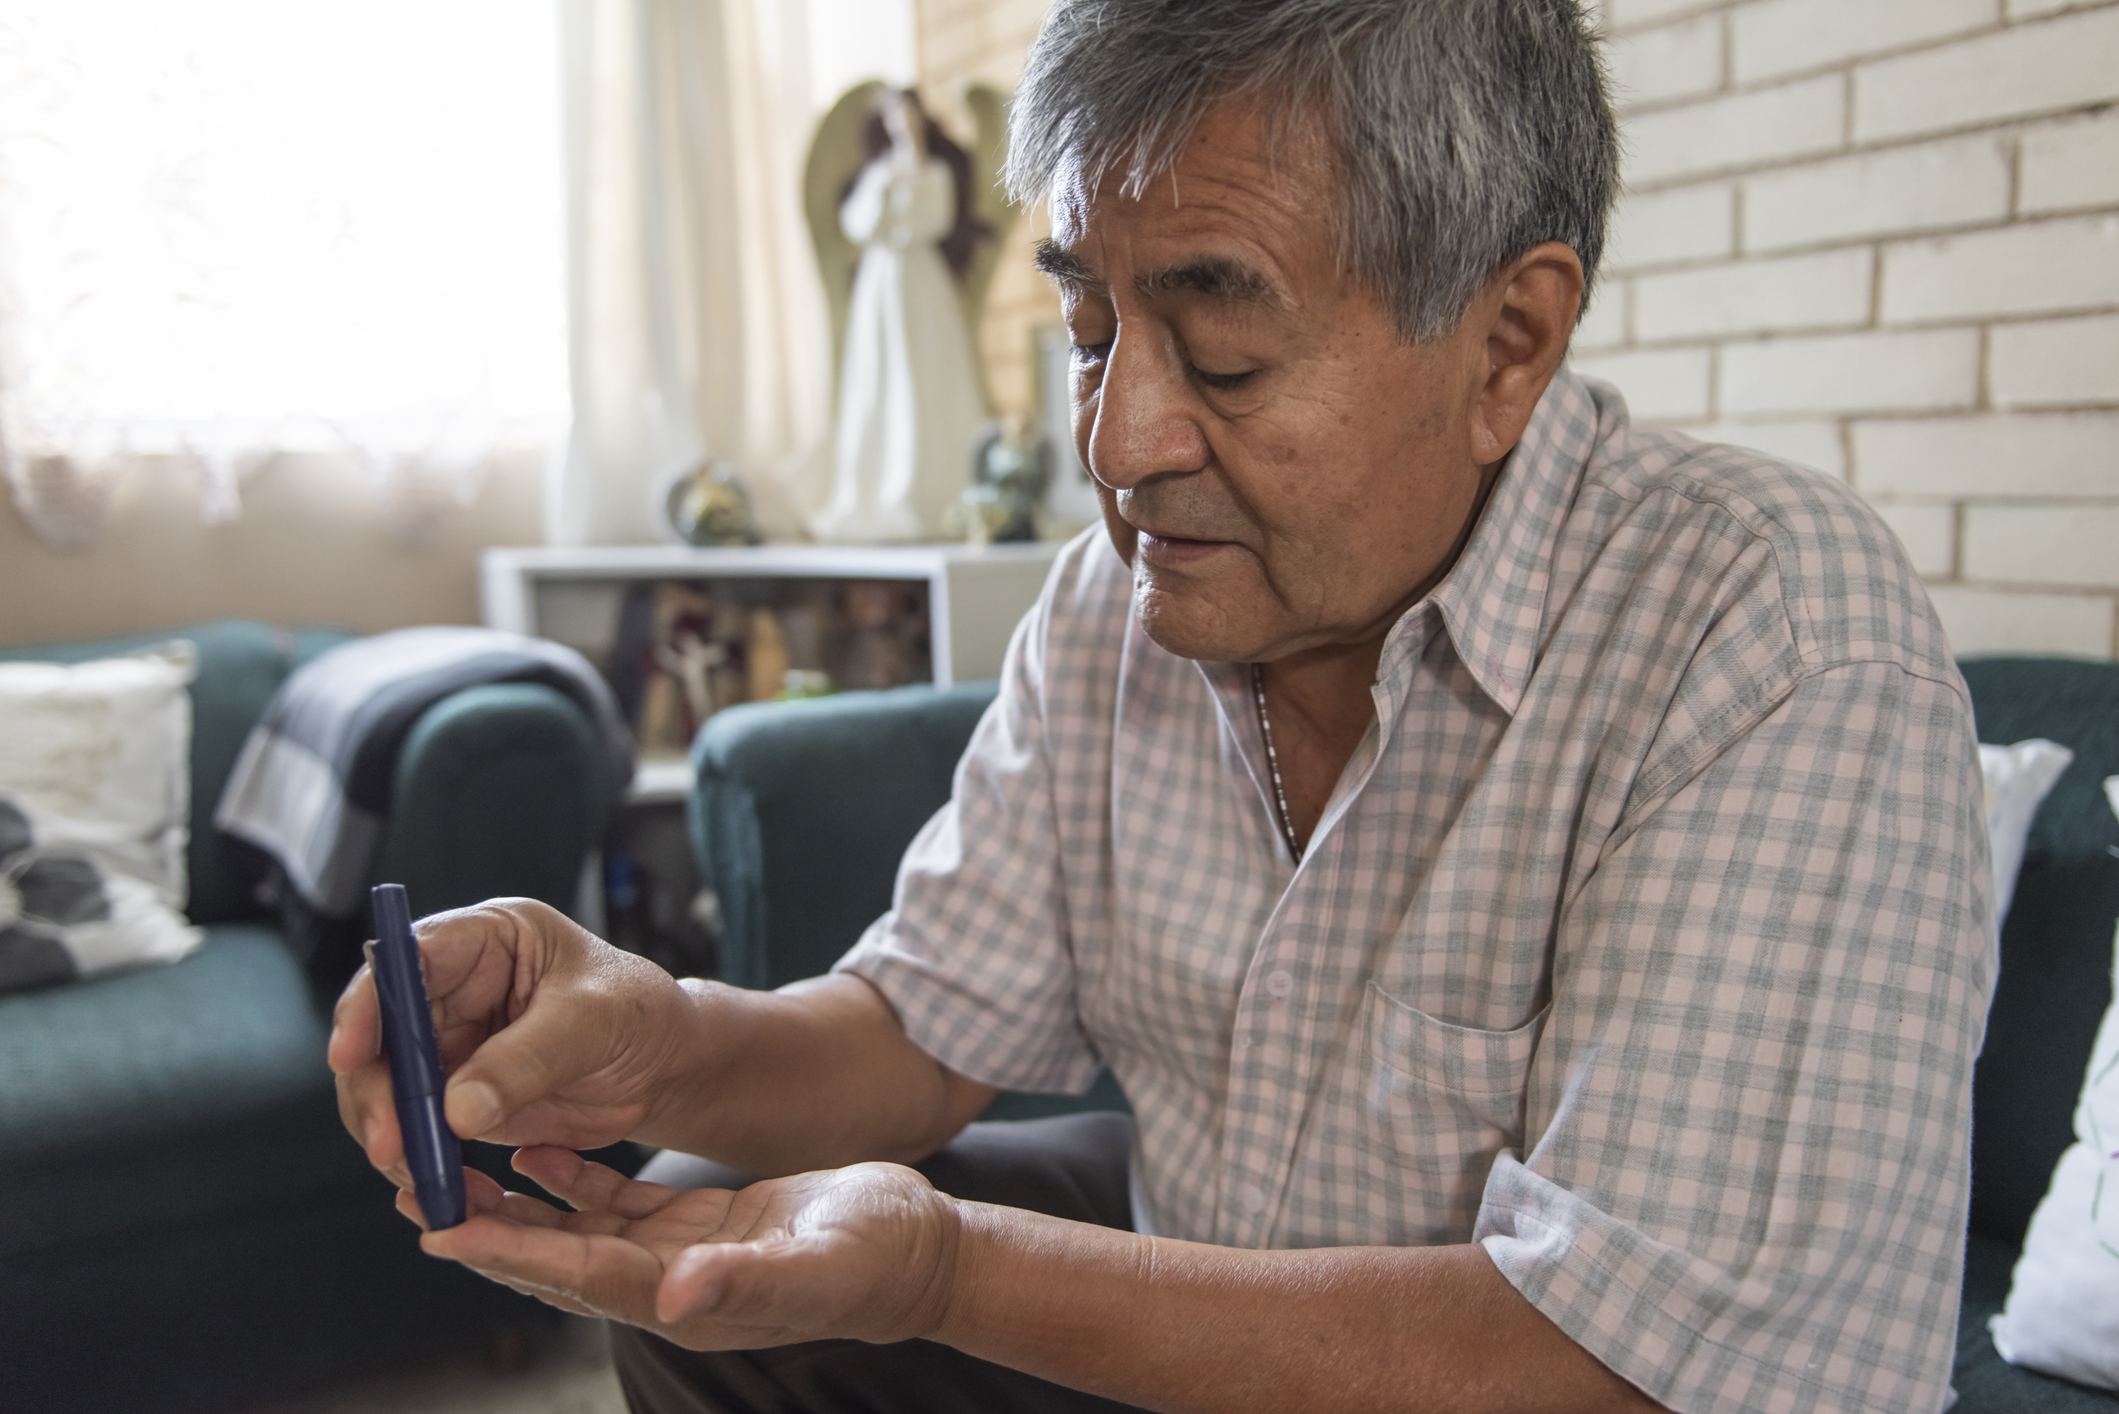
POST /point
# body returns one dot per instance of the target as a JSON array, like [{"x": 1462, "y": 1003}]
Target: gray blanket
[{"x": 312, "y": 785}]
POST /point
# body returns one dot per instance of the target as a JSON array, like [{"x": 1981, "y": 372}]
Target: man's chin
[{"x": 1189, "y": 627}]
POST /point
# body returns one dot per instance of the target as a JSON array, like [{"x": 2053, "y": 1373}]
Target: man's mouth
[{"x": 1176, "y": 551}]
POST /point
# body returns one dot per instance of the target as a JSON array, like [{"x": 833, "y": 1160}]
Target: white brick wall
[
  {"x": 1825, "y": 291},
  {"x": 2045, "y": 66},
  {"x": 2067, "y": 166},
  {"x": 2054, "y": 362},
  {"x": 1922, "y": 371},
  {"x": 1876, "y": 237},
  {"x": 1881, "y": 238}
]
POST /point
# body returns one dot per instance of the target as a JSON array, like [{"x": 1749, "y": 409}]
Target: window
[{"x": 230, "y": 228}]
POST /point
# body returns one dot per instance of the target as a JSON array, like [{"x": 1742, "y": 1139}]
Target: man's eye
[
  {"x": 1222, "y": 382},
  {"x": 1089, "y": 355}
]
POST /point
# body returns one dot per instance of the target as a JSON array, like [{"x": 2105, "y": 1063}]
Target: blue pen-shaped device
[{"x": 431, "y": 1148}]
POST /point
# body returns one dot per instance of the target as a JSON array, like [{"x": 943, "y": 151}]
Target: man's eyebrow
[
  {"x": 1064, "y": 266},
  {"x": 1215, "y": 276}
]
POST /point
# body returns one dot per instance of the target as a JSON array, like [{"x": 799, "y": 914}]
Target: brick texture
[
  {"x": 1670, "y": 226},
  {"x": 2029, "y": 268},
  {"x": 2042, "y": 66},
  {"x": 2020, "y": 457},
  {"x": 2055, "y": 363},
  {"x": 1927, "y": 187},
  {"x": 1875, "y": 237},
  {"x": 1891, "y": 238},
  {"x": 1740, "y": 130},
  {"x": 1785, "y": 36},
  {"x": 1824, "y": 291},
  {"x": 2072, "y": 545},
  {"x": 1921, "y": 371},
  {"x": 2072, "y": 166}
]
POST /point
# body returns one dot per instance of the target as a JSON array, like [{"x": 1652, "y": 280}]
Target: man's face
[{"x": 1282, "y": 470}]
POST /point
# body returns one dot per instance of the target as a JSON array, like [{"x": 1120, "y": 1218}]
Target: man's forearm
[
  {"x": 1183, "y": 1326},
  {"x": 816, "y": 1075}
]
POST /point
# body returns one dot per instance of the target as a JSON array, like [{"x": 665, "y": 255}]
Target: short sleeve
[
  {"x": 974, "y": 953},
  {"x": 1746, "y": 1161}
]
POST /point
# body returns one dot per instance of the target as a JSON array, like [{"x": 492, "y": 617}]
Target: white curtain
[
  {"x": 231, "y": 229},
  {"x": 696, "y": 322}
]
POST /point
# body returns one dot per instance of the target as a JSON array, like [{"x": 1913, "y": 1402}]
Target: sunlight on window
[
  {"x": 229, "y": 227},
  {"x": 852, "y": 41}
]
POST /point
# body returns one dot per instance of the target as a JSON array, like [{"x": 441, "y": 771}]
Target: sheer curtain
[
  {"x": 235, "y": 228},
  {"x": 697, "y": 322}
]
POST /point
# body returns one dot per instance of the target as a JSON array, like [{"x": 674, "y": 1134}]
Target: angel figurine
[{"x": 911, "y": 403}]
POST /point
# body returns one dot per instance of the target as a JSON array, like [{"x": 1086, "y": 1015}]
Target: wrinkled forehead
[{"x": 1248, "y": 154}]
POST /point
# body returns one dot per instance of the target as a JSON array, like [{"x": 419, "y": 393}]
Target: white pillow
[
  {"x": 2018, "y": 778},
  {"x": 95, "y": 789},
  {"x": 2062, "y": 1315}
]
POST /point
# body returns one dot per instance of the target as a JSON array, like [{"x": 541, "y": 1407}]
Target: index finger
[{"x": 356, "y": 1025}]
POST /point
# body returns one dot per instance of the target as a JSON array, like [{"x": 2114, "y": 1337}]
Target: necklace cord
[{"x": 1265, "y": 729}]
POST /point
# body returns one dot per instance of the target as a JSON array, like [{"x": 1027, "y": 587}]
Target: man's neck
[
  {"x": 1319, "y": 706},
  {"x": 1318, "y": 700}
]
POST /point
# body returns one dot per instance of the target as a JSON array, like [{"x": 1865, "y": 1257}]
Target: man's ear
[{"x": 1528, "y": 310}]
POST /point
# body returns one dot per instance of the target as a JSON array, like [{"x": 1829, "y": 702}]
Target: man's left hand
[{"x": 866, "y": 1252}]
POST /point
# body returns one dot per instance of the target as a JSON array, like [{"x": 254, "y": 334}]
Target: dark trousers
[{"x": 1070, "y": 1167}]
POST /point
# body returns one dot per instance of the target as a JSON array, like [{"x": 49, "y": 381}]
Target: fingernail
[{"x": 476, "y": 1108}]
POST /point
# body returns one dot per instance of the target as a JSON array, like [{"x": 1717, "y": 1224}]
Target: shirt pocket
[{"x": 1442, "y": 1102}]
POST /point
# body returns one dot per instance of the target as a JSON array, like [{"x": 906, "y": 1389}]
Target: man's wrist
[
  {"x": 969, "y": 1259},
  {"x": 1021, "y": 1282},
  {"x": 676, "y": 1082}
]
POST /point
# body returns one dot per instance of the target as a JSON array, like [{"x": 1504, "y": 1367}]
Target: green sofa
[
  {"x": 802, "y": 810},
  {"x": 184, "y": 1224}
]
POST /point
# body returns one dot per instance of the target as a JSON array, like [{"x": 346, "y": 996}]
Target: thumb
[
  {"x": 776, "y": 1283},
  {"x": 524, "y": 1062}
]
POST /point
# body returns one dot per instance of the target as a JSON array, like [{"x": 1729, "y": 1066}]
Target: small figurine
[
  {"x": 709, "y": 506},
  {"x": 1010, "y": 472}
]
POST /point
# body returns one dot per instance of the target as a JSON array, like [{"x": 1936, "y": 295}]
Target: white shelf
[
  {"x": 975, "y": 596},
  {"x": 976, "y": 593}
]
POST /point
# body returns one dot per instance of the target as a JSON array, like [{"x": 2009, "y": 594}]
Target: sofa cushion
[
  {"x": 2018, "y": 779},
  {"x": 241, "y": 664},
  {"x": 95, "y": 778},
  {"x": 2056, "y": 944},
  {"x": 172, "y": 1096},
  {"x": 1988, "y": 1384}
]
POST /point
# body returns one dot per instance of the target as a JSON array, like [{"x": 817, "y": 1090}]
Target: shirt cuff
[{"x": 1643, "y": 1308}]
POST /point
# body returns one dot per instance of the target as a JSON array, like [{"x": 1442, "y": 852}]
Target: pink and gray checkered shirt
[{"x": 1644, "y": 940}]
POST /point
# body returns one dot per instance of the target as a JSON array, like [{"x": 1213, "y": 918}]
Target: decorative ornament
[{"x": 709, "y": 506}]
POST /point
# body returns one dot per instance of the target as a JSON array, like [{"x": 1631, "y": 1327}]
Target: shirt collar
[{"x": 1492, "y": 602}]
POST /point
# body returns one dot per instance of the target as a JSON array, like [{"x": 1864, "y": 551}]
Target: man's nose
[{"x": 1146, "y": 415}]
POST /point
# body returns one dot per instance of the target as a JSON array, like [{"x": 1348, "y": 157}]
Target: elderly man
[{"x": 1526, "y": 873}]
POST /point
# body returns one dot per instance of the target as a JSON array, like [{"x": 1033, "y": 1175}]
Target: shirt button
[
  {"x": 1279, "y": 984},
  {"x": 1243, "y": 1041},
  {"x": 1252, "y": 1197}
]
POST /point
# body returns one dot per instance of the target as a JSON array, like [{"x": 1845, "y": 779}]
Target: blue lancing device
[{"x": 432, "y": 1152}]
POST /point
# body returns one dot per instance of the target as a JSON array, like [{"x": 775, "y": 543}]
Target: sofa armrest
[
  {"x": 801, "y": 811},
  {"x": 499, "y": 791}
]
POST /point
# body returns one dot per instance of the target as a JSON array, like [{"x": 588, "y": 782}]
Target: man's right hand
[{"x": 548, "y": 1034}]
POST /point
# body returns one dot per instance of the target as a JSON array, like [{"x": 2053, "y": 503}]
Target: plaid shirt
[{"x": 1644, "y": 940}]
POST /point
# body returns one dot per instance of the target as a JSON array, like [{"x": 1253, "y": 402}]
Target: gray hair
[{"x": 1465, "y": 131}]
